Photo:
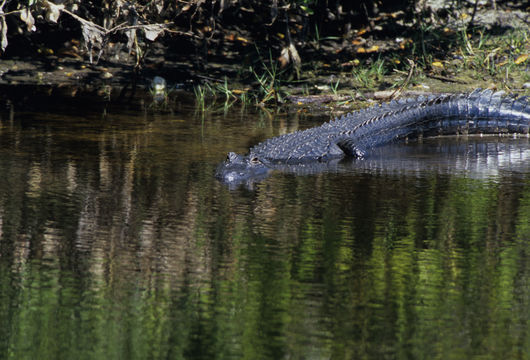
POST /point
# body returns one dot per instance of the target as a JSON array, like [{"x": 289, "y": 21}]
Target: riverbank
[{"x": 370, "y": 63}]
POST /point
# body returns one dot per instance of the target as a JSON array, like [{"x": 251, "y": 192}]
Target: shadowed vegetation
[{"x": 264, "y": 51}]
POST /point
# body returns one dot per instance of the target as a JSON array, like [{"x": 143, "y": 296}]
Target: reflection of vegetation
[{"x": 127, "y": 250}]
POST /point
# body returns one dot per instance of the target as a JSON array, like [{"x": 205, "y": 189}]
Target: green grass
[
  {"x": 466, "y": 59},
  {"x": 368, "y": 75},
  {"x": 495, "y": 57}
]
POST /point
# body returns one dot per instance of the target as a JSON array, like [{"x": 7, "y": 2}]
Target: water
[{"x": 117, "y": 242}]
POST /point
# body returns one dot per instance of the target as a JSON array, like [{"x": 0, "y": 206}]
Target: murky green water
[{"x": 116, "y": 242}]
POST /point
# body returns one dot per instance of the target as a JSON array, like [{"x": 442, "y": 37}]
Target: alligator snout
[{"x": 239, "y": 169}]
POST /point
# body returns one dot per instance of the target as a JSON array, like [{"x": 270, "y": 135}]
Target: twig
[
  {"x": 208, "y": 78},
  {"x": 384, "y": 95},
  {"x": 444, "y": 78},
  {"x": 133, "y": 27},
  {"x": 396, "y": 92},
  {"x": 186, "y": 33},
  {"x": 9, "y": 13},
  {"x": 116, "y": 28},
  {"x": 81, "y": 20}
]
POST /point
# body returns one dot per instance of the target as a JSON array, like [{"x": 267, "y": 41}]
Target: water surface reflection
[{"x": 117, "y": 242}]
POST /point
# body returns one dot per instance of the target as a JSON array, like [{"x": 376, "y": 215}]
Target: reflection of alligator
[
  {"x": 487, "y": 157},
  {"x": 355, "y": 134}
]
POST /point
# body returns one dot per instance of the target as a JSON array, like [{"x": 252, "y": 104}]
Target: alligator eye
[
  {"x": 254, "y": 161},
  {"x": 231, "y": 157}
]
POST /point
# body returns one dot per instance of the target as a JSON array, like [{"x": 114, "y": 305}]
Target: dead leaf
[
  {"x": 288, "y": 55},
  {"x": 131, "y": 37},
  {"x": 521, "y": 59},
  {"x": 358, "y": 41},
  {"x": 284, "y": 58},
  {"x": 54, "y": 11},
  {"x": 438, "y": 64},
  {"x": 91, "y": 34},
  {"x": 242, "y": 39},
  {"x": 45, "y": 51},
  {"x": 152, "y": 31},
  {"x": 295, "y": 58},
  {"x": 25, "y": 16}
]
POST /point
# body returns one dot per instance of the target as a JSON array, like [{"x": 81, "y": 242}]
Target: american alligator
[{"x": 356, "y": 134}]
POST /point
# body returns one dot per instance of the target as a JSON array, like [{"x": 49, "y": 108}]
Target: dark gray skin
[
  {"x": 356, "y": 134},
  {"x": 240, "y": 168}
]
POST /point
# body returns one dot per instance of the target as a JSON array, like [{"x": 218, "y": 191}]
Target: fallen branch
[
  {"x": 444, "y": 78},
  {"x": 396, "y": 92},
  {"x": 384, "y": 95}
]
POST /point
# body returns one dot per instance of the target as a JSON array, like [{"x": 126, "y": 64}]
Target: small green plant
[
  {"x": 368, "y": 76},
  {"x": 483, "y": 40},
  {"x": 269, "y": 81},
  {"x": 317, "y": 39},
  {"x": 200, "y": 96},
  {"x": 225, "y": 90},
  {"x": 267, "y": 88},
  {"x": 334, "y": 85}
]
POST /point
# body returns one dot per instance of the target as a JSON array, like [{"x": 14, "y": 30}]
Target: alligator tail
[{"x": 479, "y": 112}]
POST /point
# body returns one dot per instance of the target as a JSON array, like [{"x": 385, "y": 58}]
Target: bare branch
[
  {"x": 2, "y": 14},
  {"x": 83, "y": 21}
]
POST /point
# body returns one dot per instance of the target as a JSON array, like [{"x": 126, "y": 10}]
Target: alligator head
[{"x": 241, "y": 169}]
